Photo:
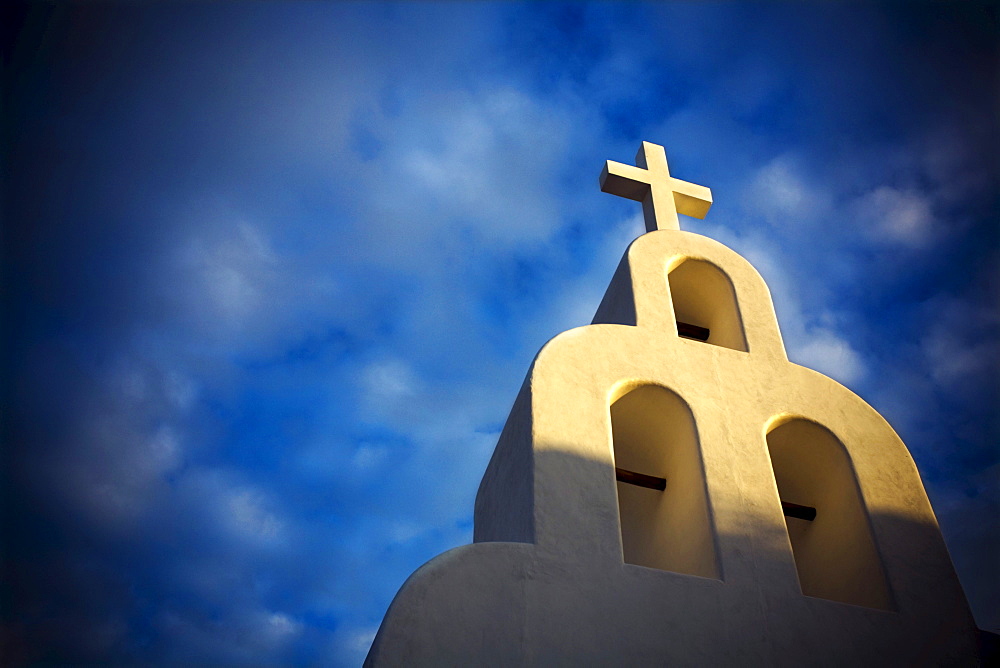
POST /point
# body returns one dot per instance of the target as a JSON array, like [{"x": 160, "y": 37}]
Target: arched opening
[
  {"x": 704, "y": 299},
  {"x": 668, "y": 528},
  {"x": 835, "y": 553}
]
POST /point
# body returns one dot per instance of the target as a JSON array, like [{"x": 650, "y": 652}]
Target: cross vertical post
[{"x": 649, "y": 182}]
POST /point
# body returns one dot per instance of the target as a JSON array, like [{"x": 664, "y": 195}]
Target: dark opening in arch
[
  {"x": 703, "y": 297},
  {"x": 835, "y": 554},
  {"x": 655, "y": 435}
]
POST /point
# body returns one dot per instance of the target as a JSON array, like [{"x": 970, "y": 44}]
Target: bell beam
[{"x": 807, "y": 513}]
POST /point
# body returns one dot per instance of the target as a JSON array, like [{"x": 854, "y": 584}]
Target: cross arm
[
  {"x": 624, "y": 181},
  {"x": 691, "y": 199}
]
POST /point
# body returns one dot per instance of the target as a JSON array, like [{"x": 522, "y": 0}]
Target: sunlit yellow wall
[{"x": 568, "y": 567}]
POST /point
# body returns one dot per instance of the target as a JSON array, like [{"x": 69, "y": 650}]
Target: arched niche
[
  {"x": 654, "y": 434},
  {"x": 703, "y": 296},
  {"x": 835, "y": 553}
]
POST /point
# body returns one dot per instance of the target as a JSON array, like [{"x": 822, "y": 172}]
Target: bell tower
[{"x": 670, "y": 489}]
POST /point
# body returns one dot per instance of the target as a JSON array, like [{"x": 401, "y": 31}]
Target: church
[{"x": 669, "y": 489}]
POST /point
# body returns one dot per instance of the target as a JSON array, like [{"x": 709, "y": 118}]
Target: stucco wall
[{"x": 560, "y": 590}]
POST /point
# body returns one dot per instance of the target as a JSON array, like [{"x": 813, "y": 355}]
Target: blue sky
[{"x": 273, "y": 274}]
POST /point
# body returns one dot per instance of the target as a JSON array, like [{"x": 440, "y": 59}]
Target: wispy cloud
[{"x": 273, "y": 280}]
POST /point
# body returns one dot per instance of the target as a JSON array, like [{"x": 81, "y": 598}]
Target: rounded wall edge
[
  {"x": 653, "y": 254},
  {"x": 504, "y": 507},
  {"x": 917, "y": 565},
  {"x": 459, "y": 605}
]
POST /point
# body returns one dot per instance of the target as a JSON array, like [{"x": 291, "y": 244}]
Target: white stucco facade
[{"x": 570, "y": 567}]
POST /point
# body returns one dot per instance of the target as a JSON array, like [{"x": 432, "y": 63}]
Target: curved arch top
[
  {"x": 639, "y": 293},
  {"x": 835, "y": 553},
  {"x": 702, "y": 296},
  {"x": 669, "y": 528}
]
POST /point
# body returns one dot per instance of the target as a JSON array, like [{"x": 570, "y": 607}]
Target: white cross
[{"x": 662, "y": 196}]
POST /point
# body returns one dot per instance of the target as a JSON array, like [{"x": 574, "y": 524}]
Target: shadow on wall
[
  {"x": 838, "y": 572},
  {"x": 537, "y": 604},
  {"x": 670, "y": 528},
  {"x": 815, "y": 579},
  {"x": 989, "y": 649}
]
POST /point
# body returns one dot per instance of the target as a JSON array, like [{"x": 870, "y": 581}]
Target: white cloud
[
  {"x": 117, "y": 472},
  {"x": 390, "y": 392},
  {"x": 234, "y": 272},
  {"x": 896, "y": 216},
  {"x": 780, "y": 186},
  {"x": 368, "y": 456},
  {"x": 279, "y": 627},
  {"x": 246, "y": 512},
  {"x": 779, "y": 193},
  {"x": 960, "y": 346},
  {"x": 350, "y": 645},
  {"x": 243, "y": 635},
  {"x": 950, "y": 362},
  {"x": 388, "y": 380},
  {"x": 361, "y": 641},
  {"x": 162, "y": 451},
  {"x": 402, "y": 531},
  {"x": 125, "y": 440},
  {"x": 952, "y": 161},
  {"x": 825, "y": 352},
  {"x": 220, "y": 503},
  {"x": 809, "y": 330},
  {"x": 226, "y": 285},
  {"x": 489, "y": 165},
  {"x": 181, "y": 391}
]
